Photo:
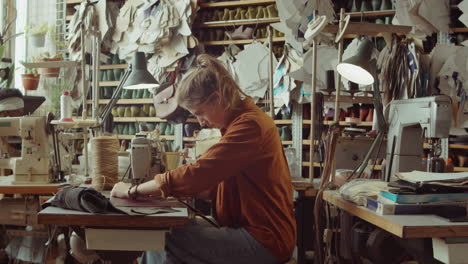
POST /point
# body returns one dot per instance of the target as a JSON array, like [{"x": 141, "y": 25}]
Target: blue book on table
[
  {"x": 425, "y": 198},
  {"x": 383, "y": 208}
]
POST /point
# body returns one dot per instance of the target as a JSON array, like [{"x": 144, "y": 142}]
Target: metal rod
[
  {"x": 84, "y": 89},
  {"x": 338, "y": 85},
  {"x": 115, "y": 96},
  {"x": 270, "y": 73},
  {"x": 85, "y": 151},
  {"x": 340, "y": 59},
  {"x": 312, "y": 107},
  {"x": 390, "y": 163}
]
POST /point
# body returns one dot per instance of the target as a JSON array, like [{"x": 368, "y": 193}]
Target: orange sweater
[{"x": 249, "y": 169}]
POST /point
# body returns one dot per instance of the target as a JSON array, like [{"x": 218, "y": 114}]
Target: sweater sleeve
[{"x": 236, "y": 150}]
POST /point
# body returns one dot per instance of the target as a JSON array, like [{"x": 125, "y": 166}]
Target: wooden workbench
[
  {"x": 63, "y": 217},
  {"x": 7, "y": 187},
  {"x": 404, "y": 226},
  {"x": 113, "y": 231}
]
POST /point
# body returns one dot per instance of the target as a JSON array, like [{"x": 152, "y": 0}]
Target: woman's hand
[{"x": 120, "y": 190}]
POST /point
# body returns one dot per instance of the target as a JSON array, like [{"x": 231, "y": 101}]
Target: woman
[{"x": 246, "y": 175}]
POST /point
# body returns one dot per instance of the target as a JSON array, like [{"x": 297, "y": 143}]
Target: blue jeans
[{"x": 200, "y": 242}]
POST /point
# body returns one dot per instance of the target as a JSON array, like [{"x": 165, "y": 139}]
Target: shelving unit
[{"x": 354, "y": 29}]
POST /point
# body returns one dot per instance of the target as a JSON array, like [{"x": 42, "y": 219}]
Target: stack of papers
[{"x": 447, "y": 179}]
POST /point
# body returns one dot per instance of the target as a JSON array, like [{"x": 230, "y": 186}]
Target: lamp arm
[{"x": 115, "y": 97}]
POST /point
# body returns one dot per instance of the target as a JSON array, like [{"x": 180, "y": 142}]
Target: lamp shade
[
  {"x": 357, "y": 68},
  {"x": 139, "y": 77}
]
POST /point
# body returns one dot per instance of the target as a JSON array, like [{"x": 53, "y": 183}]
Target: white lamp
[{"x": 357, "y": 68}]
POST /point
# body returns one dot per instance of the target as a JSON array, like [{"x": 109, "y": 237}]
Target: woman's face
[{"x": 210, "y": 114}]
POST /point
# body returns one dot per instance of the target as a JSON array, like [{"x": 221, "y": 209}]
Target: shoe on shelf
[
  {"x": 238, "y": 16},
  {"x": 272, "y": 11},
  {"x": 363, "y": 112},
  {"x": 370, "y": 115},
  {"x": 225, "y": 15},
  {"x": 259, "y": 13},
  {"x": 232, "y": 15}
]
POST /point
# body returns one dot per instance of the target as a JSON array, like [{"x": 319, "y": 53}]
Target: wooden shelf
[
  {"x": 237, "y": 3},
  {"x": 240, "y": 41},
  {"x": 125, "y": 101},
  {"x": 74, "y": 2},
  {"x": 283, "y": 122},
  {"x": 192, "y": 139},
  {"x": 342, "y": 123},
  {"x": 307, "y": 142},
  {"x": 316, "y": 164},
  {"x": 458, "y": 146},
  {"x": 307, "y": 164},
  {"x": 51, "y": 64},
  {"x": 132, "y": 136},
  {"x": 350, "y": 99},
  {"x": 138, "y": 119},
  {"x": 370, "y": 29},
  {"x": 460, "y": 169},
  {"x": 234, "y": 23},
  {"x": 111, "y": 83},
  {"x": 76, "y": 123},
  {"x": 113, "y": 66},
  {"x": 459, "y": 30},
  {"x": 372, "y": 13}
]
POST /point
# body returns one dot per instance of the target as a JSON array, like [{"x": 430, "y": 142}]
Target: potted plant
[
  {"x": 49, "y": 72},
  {"x": 30, "y": 78},
  {"x": 37, "y": 33}
]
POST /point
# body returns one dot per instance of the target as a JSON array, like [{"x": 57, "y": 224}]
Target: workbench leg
[{"x": 304, "y": 210}]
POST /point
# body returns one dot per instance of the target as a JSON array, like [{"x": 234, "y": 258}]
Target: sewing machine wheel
[{"x": 49, "y": 126}]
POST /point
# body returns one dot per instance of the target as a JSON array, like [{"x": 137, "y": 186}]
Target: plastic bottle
[{"x": 65, "y": 107}]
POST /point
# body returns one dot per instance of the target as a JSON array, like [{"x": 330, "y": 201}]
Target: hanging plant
[{"x": 36, "y": 33}]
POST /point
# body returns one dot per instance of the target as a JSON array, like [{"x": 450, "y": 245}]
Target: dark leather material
[
  {"x": 82, "y": 199},
  {"x": 165, "y": 102}
]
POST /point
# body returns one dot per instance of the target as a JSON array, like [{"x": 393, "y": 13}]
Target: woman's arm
[{"x": 122, "y": 189}]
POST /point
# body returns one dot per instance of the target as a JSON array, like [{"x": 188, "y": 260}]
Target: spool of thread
[
  {"x": 65, "y": 107},
  {"x": 105, "y": 162}
]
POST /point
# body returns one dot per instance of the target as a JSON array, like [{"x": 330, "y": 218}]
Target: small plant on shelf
[
  {"x": 49, "y": 72},
  {"x": 30, "y": 77}
]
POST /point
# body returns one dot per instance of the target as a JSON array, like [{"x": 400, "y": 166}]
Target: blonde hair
[{"x": 209, "y": 76}]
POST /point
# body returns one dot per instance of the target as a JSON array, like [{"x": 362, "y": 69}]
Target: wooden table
[
  {"x": 22, "y": 211},
  {"x": 404, "y": 226},
  {"x": 7, "y": 187},
  {"x": 63, "y": 217},
  {"x": 117, "y": 231}
]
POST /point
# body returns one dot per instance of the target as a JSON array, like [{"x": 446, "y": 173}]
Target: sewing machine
[
  {"x": 410, "y": 121},
  {"x": 34, "y": 165},
  {"x": 145, "y": 159}
]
